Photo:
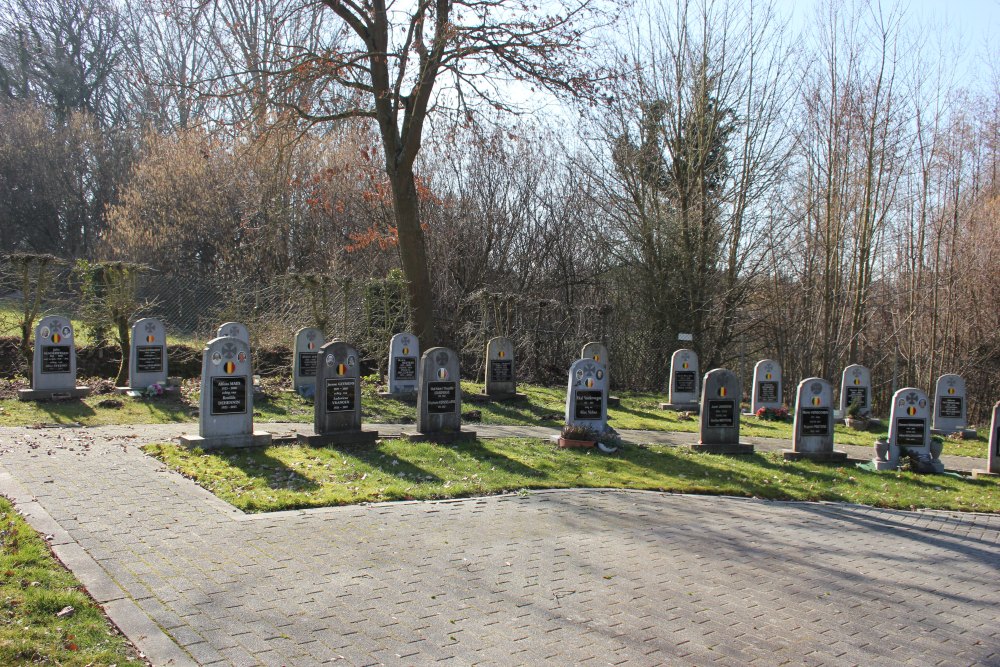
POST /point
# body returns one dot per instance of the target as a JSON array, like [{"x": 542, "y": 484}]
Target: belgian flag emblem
[
  {"x": 684, "y": 365},
  {"x": 951, "y": 390},
  {"x": 911, "y": 410},
  {"x": 501, "y": 354},
  {"x": 857, "y": 380},
  {"x": 589, "y": 382},
  {"x": 341, "y": 369},
  {"x": 442, "y": 373},
  {"x": 722, "y": 391},
  {"x": 150, "y": 338},
  {"x": 816, "y": 400},
  {"x": 230, "y": 366},
  {"x": 597, "y": 357},
  {"x": 767, "y": 376},
  {"x": 56, "y": 338}
]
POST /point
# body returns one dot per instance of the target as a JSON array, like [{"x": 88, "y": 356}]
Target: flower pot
[{"x": 565, "y": 443}]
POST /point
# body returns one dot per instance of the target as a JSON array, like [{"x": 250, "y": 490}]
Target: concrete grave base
[
  {"x": 51, "y": 394},
  {"x": 255, "y": 439},
  {"x": 345, "y": 438},
  {"x": 680, "y": 407},
  {"x": 820, "y": 457},
  {"x": 405, "y": 396},
  {"x": 981, "y": 472},
  {"x": 440, "y": 436},
  {"x": 968, "y": 433},
  {"x": 723, "y": 448},
  {"x": 494, "y": 398}
]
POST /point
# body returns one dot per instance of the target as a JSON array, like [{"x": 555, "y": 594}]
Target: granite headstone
[
  {"x": 53, "y": 367},
  {"x": 439, "y": 399},
  {"x": 909, "y": 431},
  {"x": 683, "y": 391},
  {"x": 226, "y": 405},
  {"x": 337, "y": 411},
  {"x": 951, "y": 406},
  {"x": 720, "y": 414},
  {"x": 235, "y": 330},
  {"x": 856, "y": 385},
  {"x": 148, "y": 360},
  {"x": 404, "y": 358},
  {"x": 993, "y": 457},
  {"x": 305, "y": 357},
  {"x": 587, "y": 395},
  {"x": 812, "y": 431},
  {"x": 766, "y": 386}
]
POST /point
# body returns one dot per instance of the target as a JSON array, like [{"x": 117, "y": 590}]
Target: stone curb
[{"x": 127, "y": 616}]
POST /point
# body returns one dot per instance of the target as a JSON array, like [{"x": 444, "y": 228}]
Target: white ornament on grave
[
  {"x": 766, "y": 386},
  {"x": 53, "y": 366},
  {"x": 226, "y": 404},
  {"x": 439, "y": 399},
  {"x": 719, "y": 424},
  {"x": 235, "y": 330},
  {"x": 950, "y": 406},
  {"x": 856, "y": 386},
  {"x": 500, "y": 381},
  {"x": 305, "y": 356},
  {"x": 993, "y": 457},
  {"x": 148, "y": 356},
  {"x": 404, "y": 355},
  {"x": 683, "y": 388},
  {"x": 909, "y": 432},
  {"x": 812, "y": 431},
  {"x": 337, "y": 410},
  {"x": 587, "y": 395}
]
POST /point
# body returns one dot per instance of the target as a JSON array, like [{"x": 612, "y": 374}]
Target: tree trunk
[
  {"x": 123, "y": 344},
  {"x": 413, "y": 256}
]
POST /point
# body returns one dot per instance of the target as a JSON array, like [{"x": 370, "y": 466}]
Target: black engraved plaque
[
  {"x": 307, "y": 364},
  {"x": 149, "y": 358},
  {"x": 229, "y": 395},
  {"x": 951, "y": 407},
  {"x": 857, "y": 395},
  {"x": 55, "y": 358},
  {"x": 910, "y": 432},
  {"x": 340, "y": 395},
  {"x": 684, "y": 381},
  {"x": 588, "y": 405},
  {"x": 722, "y": 414},
  {"x": 406, "y": 368},
  {"x": 501, "y": 370},
  {"x": 440, "y": 397},
  {"x": 767, "y": 392},
  {"x": 814, "y": 421}
]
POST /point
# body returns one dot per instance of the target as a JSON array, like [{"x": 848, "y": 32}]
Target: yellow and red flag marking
[
  {"x": 406, "y": 350},
  {"x": 150, "y": 338},
  {"x": 501, "y": 354},
  {"x": 341, "y": 369},
  {"x": 443, "y": 373},
  {"x": 816, "y": 400},
  {"x": 56, "y": 338},
  {"x": 684, "y": 365},
  {"x": 911, "y": 410},
  {"x": 767, "y": 376},
  {"x": 722, "y": 391},
  {"x": 857, "y": 380},
  {"x": 951, "y": 390},
  {"x": 589, "y": 382},
  {"x": 230, "y": 366}
]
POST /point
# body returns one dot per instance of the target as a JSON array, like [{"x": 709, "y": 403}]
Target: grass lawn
[
  {"x": 544, "y": 407},
  {"x": 287, "y": 477},
  {"x": 34, "y": 589}
]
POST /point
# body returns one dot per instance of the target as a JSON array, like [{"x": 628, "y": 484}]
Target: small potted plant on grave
[
  {"x": 577, "y": 436},
  {"x": 854, "y": 419}
]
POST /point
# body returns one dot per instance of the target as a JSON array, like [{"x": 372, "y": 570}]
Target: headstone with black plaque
[
  {"x": 439, "y": 399},
  {"x": 599, "y": 353},
  {"x": 305, "y": 355},
  {"x": 404, "y": 358},
  {"x": 587, "y": 395},
  {"x": 766, "y": 386},
  {"x": 909, "y": 431},
  {"x": 235, "y": 330},
  {"x": 993, "y": 457},
  {"x": 856, "y": 386},
  {"x": 812, "y": 432},
  {"x": 951, "y": 407},
  {"x": 337, "y": 412},
  {"x": 500, "y": 381},
  {"x": 683, "y": 388},
  {"x": 226, "y": 405},
  {"x": 148, "y": 356},
  {"x": 720, "y": 414},
  {"x": 53, "y": 366}
]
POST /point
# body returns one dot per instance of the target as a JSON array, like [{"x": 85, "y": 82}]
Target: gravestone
[
  {"x": 500, "y": 379},
  {"x": 993, "y": 457},
  {"x": 305, "y": 356},
  {"x": 599, "y": 353},
  {"x": 683, "y": 389},
  {"x": 812, "y": 431},
  {"x": 235, "y": 330},
  {"x": 951, "y": 407},
  {"x": 404, "y": 358},
  {"x": 856, "y": 385},
  {"x": 909, "y": 430},
  {"x": 766, "y": 386},
  {"x": 53, "y": 366},
  {"x": 587, "y": 395},
  {"x": 226, "y": 406},
  {"x": 148, "y": 356},
  {"x": 439, "y": 399},
  {"x": 720, "y": 414},
  {"x": 337, "y": 412}
]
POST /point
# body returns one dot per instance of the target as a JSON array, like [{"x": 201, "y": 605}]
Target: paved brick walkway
[{"x": 563, "y": 577}]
